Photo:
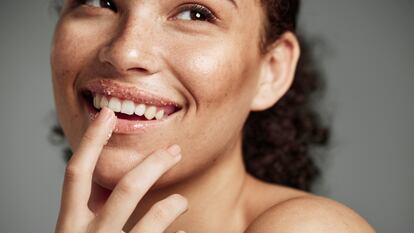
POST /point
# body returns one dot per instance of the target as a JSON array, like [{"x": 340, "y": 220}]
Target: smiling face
[{"x": 200, "y": 63}]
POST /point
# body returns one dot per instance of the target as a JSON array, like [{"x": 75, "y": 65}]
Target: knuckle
[
  {"x": 88, "y": 137},
  {"x": 73, "y": 172},
  {"x": 169, "y": 207},
  {"x": 129, "y": 187}
]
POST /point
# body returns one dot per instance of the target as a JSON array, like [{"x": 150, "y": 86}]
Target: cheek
[
  {"x": 219, "y": 77},
  {"x": 72, "y": 48},
  {"x": 69, "y": 51},
  {"x": 212, "y": 72}
]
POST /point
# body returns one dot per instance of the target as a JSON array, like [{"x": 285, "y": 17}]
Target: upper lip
[{"x": 128, "y": 92}]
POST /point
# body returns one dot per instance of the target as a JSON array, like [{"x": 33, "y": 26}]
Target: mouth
[{"x": 135, "y": 109}]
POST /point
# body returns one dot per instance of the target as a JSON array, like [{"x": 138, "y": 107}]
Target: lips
[{"x": 135, "y": 108}]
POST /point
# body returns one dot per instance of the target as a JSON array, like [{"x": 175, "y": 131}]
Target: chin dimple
[{"x": 128, "y": 107}]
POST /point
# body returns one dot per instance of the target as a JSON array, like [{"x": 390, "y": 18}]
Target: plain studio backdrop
[{"x": 364, "y": 47}]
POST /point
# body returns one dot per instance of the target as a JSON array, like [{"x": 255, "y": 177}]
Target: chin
[{"x": 113, "y": 164}]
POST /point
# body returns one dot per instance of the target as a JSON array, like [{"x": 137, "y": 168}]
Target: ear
[{"x": 277, "y": 71}]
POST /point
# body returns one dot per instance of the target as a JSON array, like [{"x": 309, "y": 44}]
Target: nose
[{"x": 130, "y": 50}]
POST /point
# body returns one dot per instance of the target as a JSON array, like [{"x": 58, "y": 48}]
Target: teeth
[
  {"x": 97, "y": 101},
  {"x": 159, "y": 115},
  {"x": 104, "y": 102},
  {"x": 115, "y": 104},
  {"x": 150, "y": 112},
  {"x": 128, "y": 107},
  {"x": 140, "y": 109}
]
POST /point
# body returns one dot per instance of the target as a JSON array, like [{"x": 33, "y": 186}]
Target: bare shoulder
[{"x": 309, "y": 213}]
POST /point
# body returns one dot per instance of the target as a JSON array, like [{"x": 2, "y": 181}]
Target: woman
[{"x": 182, "y": 78}]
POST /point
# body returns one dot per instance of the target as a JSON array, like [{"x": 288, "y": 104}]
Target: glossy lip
[
  {"x": 125, "y": 91},
  {"x": 132, "y": 127},
  {"x": 122, "y": 91}
]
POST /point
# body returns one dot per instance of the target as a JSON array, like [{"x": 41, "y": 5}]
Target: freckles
[
  {"x": 64, "y": 60},
  {"x": 204, "y": 66},
  {"x": 212, "y": 73},
  {"x": 72, "y": 46}
]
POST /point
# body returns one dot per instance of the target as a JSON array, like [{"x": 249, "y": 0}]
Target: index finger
[{"x": 79, "y": 170}]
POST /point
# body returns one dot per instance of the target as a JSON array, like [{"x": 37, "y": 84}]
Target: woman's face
[{"x": 199, "y": 62}]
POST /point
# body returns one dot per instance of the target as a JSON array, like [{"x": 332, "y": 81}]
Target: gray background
[{"x": 367, "y": 58}]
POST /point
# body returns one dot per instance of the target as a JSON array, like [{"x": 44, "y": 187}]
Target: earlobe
[{"x": 277, "y": 72}]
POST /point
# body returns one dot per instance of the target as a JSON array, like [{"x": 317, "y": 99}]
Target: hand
[{"x": 76, "y": 217}]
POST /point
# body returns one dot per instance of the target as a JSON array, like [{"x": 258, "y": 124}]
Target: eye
[
  {"x": 100, "y": 4},
  {"x": 195, "y": 12}
]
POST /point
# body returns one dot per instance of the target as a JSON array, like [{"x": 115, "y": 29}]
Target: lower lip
[{"x": 124, "y": 126}]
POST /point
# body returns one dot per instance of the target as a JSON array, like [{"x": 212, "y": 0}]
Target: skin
[{"x": 216, "y": 71}]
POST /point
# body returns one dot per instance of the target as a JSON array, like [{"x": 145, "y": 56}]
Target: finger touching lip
[{"x": 135, "y": 108}]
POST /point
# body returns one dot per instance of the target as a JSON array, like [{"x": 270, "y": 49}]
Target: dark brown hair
[{"x": 277, "y": 142}]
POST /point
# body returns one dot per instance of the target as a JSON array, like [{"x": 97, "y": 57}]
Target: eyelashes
[
  {"x": 187, "y": 12},
  {"x": 196, "y": 12},
  {"x": 98, "y": 4}
]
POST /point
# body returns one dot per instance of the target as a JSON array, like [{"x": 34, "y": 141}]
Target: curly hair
[{"x": 277, "y": 141}]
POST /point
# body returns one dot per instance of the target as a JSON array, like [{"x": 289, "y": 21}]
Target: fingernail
[
  {"x": 105, "y": 114},
  {"x": 180, "y": 231},
  {"x": 174, "y": 150}
]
